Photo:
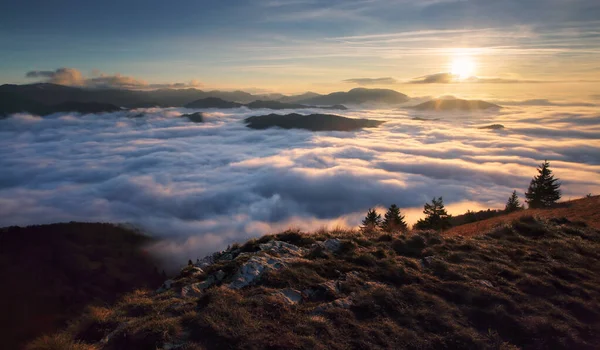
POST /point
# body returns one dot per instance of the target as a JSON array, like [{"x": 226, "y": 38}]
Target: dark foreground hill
[
  {"x": 531, "y": 283},
  {"x": 455, "y": 104},
  {"x": 313, "y": 122},
  {"x": 50, "y": 273}
]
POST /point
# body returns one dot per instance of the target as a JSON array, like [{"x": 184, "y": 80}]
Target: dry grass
[
  {"x": 584, "y": 210},
  {"x": 530, "y": 283}
]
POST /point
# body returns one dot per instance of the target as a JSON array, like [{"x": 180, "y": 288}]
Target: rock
[
  {"x": 332, "y": 287},
  {"x": 344, "y": 303},
  {"x": 226, "y": 257},
  {"x": 165, "y": 286},
  {"x": 485, "y": 283},
  {"x": 426, "y": 261},
  {"x": 253, "y": 269},
  {"x": 352, "y": 275},
  {"x": 192, "y": 290},
  {"x": 282, "y": 248},
  {"x": 205, "y": 262},
  {"x": 196, "y": 289},
  {"x": 333, "y": 244},
  {"x": 289, "y": 295},
  {"x": 219, "y": 275}
]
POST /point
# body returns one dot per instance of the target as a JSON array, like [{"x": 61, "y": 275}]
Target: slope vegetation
[
  {"x": 585, "y": 210},
  {"x": 531, "y": 283}
]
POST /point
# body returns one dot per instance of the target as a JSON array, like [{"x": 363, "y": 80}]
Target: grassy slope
[
  {"x": 531, "y": 283},
  {"x": 585, "y": 210},
  {"x": 50, "y": 273}
]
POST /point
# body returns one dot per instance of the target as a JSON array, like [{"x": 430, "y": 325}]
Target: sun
[{"x": 463, "y": 67}]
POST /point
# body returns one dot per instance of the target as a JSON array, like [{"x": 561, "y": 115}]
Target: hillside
[
  {"x": 585, "y": 210},
  {"x": 313, "y": 122},
  {"x": 531, "y": 283},
  {"x": 50, "y": 273}
]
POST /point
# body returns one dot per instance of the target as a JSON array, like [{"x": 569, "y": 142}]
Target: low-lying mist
[{"x": 202, "y": 186}]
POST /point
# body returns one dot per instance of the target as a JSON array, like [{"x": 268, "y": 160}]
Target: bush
[{"x": 412, "y": 246}]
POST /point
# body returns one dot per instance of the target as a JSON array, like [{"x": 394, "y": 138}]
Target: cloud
[
  {"x": 372, "y": 81},
  {"x": 449, "y": 78},
  {"x": 61, "y": 76},
  {"x": 203, "y": 186},
  {"x": 545, "y": 102},
  {"x": 99, "y": 80},
  {"x": 438, "y": 78}
]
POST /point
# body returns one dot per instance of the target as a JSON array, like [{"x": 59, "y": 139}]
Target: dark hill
[
  {"x": 274, "y": 105},
  {"x": 197, "y": 117},
  {"x": 212, "y": 102},
  {"x": 84, "y": 107},
  {"x": 454, "y": 104},
  {"x": 313, "y": 122},
  {"x": 358, "y": 96},
  {"x": 296, "y": 98},
  {"x": 11, "y": 103},
  {"x": 527, "y": 284},
  {"x": 51, "y": 273}
]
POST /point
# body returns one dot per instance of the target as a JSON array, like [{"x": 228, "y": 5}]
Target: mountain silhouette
[
  {"x": 358, "y": 96},
  {"x": 455, "y": 104},
  {"x": 214, "y": 102}
]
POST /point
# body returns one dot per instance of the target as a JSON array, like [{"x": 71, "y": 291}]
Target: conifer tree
[
  {"x": 371, "y": 221},
  {"x": 544, "y": 189},
  {"x": 513, "y": 203},
  {"x": 436, "y": 216},
  {"x": 393, "y": 220}
]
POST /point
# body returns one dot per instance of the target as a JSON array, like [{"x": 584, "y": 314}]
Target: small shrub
[
  {"x": 295, "y": 238},
  {"x": 412, "y": 246}
]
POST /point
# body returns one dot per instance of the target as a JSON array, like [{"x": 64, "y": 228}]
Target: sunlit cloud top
[{"x": 296, "y": 45}]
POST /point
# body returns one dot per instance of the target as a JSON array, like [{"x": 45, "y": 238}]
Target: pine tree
[
  {"x": 513, "y": 203},
  {"x": 371, "y": 221},
  {"x": 544, "y": 189},
  {"x": 436, "y": 216},
  {"x": 394, "y": 220}
]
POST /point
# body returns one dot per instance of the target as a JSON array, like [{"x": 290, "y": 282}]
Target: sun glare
[{"x": 463, "y": 67}]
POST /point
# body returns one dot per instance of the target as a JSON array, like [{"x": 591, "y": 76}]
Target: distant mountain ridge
[
  {"x": 35, "y": 98},
  {"x": 215, "y": 102},
  {"x": 358, "y": 96}
]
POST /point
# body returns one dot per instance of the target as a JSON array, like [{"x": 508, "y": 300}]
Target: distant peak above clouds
[
  {"x": 372, "y": 81},
  {"x": 99, "y": 80}
]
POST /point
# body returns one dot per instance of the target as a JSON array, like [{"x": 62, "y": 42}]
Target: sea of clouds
[{"x": 204, "y": 186}]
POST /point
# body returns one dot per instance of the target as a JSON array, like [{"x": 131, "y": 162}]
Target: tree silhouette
[
  {"x": 371, "y": 221},
  {"x": 544, "y": 189},
  {"x": 436, "y": 216},
  {"x": 513, "y": 203},
  {"x": 394, "y": 220}
]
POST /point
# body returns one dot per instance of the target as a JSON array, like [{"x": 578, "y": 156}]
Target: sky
[{"x": 308, "y": 45}]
